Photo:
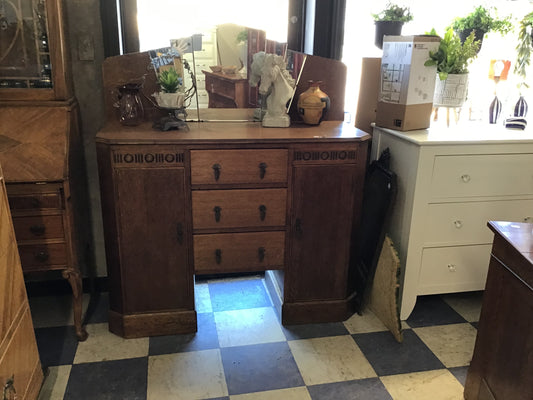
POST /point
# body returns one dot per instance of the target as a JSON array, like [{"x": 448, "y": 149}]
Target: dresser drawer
[
  {"x": 238, "y": 166},
  {"x": 257, "y": 251},
  {"x": 38, "y": 227},
  {"x": 216, "y": 209},
  {"x": 31, "y": 196},
  {"x": 48, "y": 255},
  {"x": 466, "y": 223},
  {"x": 20, "y": 358},
  {"x": 454, "y": 269},
  {"x": 482, "y": 175}
]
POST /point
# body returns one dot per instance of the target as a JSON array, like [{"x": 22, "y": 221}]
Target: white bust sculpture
[{"x": 271, "y": 70}]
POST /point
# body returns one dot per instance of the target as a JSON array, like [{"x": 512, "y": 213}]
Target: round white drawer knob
[
  {"x": 465, "y": 178},
  {"x": 451, "y": 267},
  {"x": 458, "y": 224}
]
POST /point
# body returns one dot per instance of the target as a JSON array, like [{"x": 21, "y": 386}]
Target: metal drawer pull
[
  {"x": 458, "y": 224},
  {"x": 261, "y": 253},
  {"x": 262, "y": 170},
  {"x": 42, "y": 256},
  {"x": 262, "y": 212},
  {"x": 528, "y": 219},
  {"x": 217, "y": 211},
  {"x": 452, "y": 267},
  {"x": 9, "y": 389},
  {"x": 465, "y": 178},
  {"x": 179, "y": 229},
  {"x": 218, "y": 256},
  {"x": 37, "y": 230},
  {"x": 216, "y": 170},
  {"x": 35, "y": 202}
]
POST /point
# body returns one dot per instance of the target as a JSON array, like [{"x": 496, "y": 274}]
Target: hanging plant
[{"x": 524, "y": 48}]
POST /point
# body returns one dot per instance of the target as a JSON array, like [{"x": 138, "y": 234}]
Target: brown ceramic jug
[{"x": 313, "y": 104}]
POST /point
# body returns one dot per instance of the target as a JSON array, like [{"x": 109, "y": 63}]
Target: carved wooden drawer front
[
  {"x": 217, "y": 209},
  {"x": 34, "y": 256},
  {"x": 37, "y": 227},
  {"x": 35, "y": 201},
  {"x": 236, "y": 252},
  {"x": 238, "y": 166}
]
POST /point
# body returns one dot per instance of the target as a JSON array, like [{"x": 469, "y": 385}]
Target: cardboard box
[{"x": 405, "y": 97}]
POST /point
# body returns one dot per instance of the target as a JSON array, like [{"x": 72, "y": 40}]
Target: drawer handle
[
  {"x": 218, "y": 211},
  {"x": 218, "y": 256},
  {"x": 262, "y": 212},
  {"x": 298, "y": 228},
  {"x": 216, "y": 171},
  {"x": 262, "y": 170},
  {"x": 35, "y": 202},
  {"x": 458, "y": 224},
  {"x": 9, "y": 389},
  {"x": 465, "y": 178},
  {"x": 37, "y": 230},
  {"x": 42, "y": 256},
  {"x": 261, "y": 253},
  {"x": 528, "y": 219},
  {"x": 179, "y": 231},
  {"x": 452, "y": 267}
]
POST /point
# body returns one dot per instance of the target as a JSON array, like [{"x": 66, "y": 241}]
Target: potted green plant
[
  {"x": 523, "y": 60},
  {"x": 481, "y": 21},
  {"x": 452, "y": 59},
  {"x": 390, "y": 21},
  {"x": 170, "y": 83}
]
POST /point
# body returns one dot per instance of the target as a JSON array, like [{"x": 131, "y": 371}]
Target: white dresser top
[{"x": 464, "y": 133}]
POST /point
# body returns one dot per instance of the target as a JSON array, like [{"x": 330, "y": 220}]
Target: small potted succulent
[
  {"x": 480, "y": 21},
  {"x": 390, "y": 21},
  {"x": 170, "y": 83}
]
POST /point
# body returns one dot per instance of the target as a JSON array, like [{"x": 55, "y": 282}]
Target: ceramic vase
[
  {"x": 520, "y": 108},
  {"x": 313, "y": 104},
  {"x": 495, "y": 110},
  {"x": 450, "y": 92}
]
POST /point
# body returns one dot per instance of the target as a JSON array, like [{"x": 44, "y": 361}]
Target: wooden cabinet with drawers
[
  {"x": 450, "y": 183},
  {"x": 20, "y": 368},
  {"x": 228, "y": 198}
]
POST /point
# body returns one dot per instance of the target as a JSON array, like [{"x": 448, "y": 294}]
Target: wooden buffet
[
  {"x": 228, "y": 197},
  {"x": 20, "y": 368},
  {"x": 502, "y": 366}
]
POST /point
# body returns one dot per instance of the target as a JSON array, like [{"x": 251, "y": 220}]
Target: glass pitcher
[{"x": 130, "y": 107}]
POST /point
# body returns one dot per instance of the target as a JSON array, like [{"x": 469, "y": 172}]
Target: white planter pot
[
  {"x": 451, "y": 92},
  {"x": 169, "y": 100}
]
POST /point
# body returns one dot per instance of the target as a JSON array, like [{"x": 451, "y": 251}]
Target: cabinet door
[
  {"x": 321, "y": 227},
  {"x": 154, "y": 239}
]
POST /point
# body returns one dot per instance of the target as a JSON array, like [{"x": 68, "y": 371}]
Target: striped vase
[
  {"x": 494, "y": 110},
  {"x": 520, "y": 108}
]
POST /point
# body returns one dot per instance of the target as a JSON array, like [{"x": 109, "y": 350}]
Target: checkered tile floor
[{"x": 242, "y": 352}]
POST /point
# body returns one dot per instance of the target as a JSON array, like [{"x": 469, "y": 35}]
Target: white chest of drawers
[{"x": 450, "y": 183}]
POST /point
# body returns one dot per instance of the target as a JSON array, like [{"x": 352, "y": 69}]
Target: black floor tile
[
  {"x": 433, "y": 310},
  {"x": 364, "y": 389},
  {"x": 108, "y": 380},
  {"x": 98, "y": 309},
  {"x": 388, "y": 357},
  {"x": 238, "y": 295},
  {"x": 460, "y": 373},
  {"x": 310, "y": 331},
  {"x": 205, "y": 338},
  {"x": 57, "y": 345},
  {"x": 260, "y": 367}
]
